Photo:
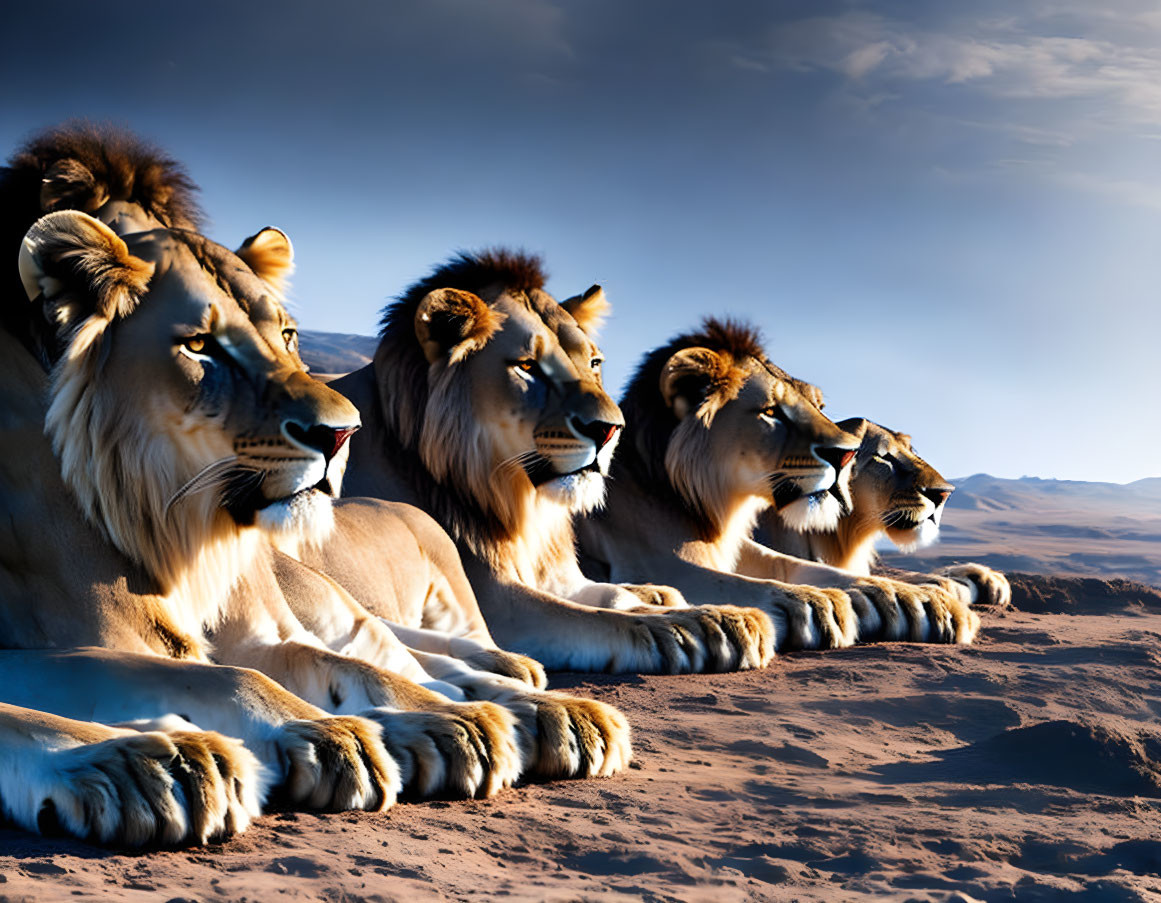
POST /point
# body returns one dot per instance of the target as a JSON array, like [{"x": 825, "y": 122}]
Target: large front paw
[
  {"x": 509, "y": 664},
  {"x": 920, "y": 613},
  {"x": 705, "y": 638},
  {"x": 465, "y": 749},
  {"x": 990, "y": 588},
  {"x": 151, "y": 788},
  {"x": 810, "y": 617},
  {"x": 576, "y": 737},
  {"x": 337, "y": 763}
]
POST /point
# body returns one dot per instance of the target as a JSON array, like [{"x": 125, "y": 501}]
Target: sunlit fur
[
  {"x": 813, "y": 513},
  {"x": 123, "y": 470},
  {"x": 887, "y": 490}
]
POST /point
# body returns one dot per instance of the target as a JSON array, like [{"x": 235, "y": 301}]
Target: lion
[
  {"x": 716, "y": 434},
  {"x": 894, "y": 493},
  {"x": 138, "y": 577},
  {"x": 484, "y": 406}
]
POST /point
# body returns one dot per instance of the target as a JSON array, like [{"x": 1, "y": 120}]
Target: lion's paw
[
  {"x": 151, "y": 788},
  {"x": 509, "y": 664},
  {"x": 467, "y": 749},
  {"x": 919, "y": 613},
  {"x": 577, "y": 737},
  {"x": 990, "y": 588},
  {"x": 337, "y": 763},
  {"x": 809, "y": 617},
  {"x": 656, "y": 595},
  {"x": 704, "y": 638}
]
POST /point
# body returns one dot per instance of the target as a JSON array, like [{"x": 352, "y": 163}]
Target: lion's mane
[
  {"x": 111, "y": 164},
  {"x": 434, "y": 452}
]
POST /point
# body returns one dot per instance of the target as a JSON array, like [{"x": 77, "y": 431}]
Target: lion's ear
[
  {"x": 79, "y": 268},
  {"x": 452, "y": 323},
  {"x": 856, "y": 426},
  {"x": 589, "y": 309},
  {"x": 69, "y": 185},
  {"x": 270, "y": 255},
  {"x": 811, "y": 393},
  {"x": 688, "y": 377},
  {"x": 904, "y": 440}
]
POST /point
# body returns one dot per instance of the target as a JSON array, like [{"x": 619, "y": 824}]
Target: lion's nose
[
  {"x": 326, "y": 440},
  {"x": 838, "y": 458},
  {"x": 600, "y": 431},
  {"x": 937, "y": 496}
]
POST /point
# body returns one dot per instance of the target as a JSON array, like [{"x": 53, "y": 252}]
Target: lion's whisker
[{"x": 201, "y": 480}]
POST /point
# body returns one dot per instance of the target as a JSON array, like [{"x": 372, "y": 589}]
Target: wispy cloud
[{"x": 1005, "y": 58}]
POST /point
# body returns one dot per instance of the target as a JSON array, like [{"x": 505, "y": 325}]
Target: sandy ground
[{"x": 1024, "y": 767}]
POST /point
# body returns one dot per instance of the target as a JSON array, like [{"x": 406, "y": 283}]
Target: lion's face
[
  {"x": 536, "y": 413},
  {"x": 766, "y": 438},
  {"x": 903, "y": 493},
  {"x": 169, "y": 404}
]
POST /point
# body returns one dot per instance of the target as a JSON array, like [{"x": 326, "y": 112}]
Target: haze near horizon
[{"x": 946, "y": 218}]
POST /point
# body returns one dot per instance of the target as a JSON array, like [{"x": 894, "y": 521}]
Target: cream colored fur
[{"x": 423, "y": 597}]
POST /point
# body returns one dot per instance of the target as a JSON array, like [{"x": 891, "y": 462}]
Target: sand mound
[
  {"x": 1085, "y": 757},
  {"x": 1081, "y": 595}
]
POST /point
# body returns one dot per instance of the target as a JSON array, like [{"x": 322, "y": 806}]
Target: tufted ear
[
  {"x": 69, "y": 185},
  {"x": 270, "y": 255},
  {"x": 453, "y": 323},
  {"x": 903, "y": 439},
  {"x": 589, "y": 309},
  {"x": 689, "y": 376},
  {"x": 79, "y": 268},
  {"x": 810, "y": 392}
]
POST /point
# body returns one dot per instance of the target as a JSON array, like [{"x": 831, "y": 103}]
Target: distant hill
[
  {"x": 335, "y": 352},
  {"x": 1050, "y": 527}
]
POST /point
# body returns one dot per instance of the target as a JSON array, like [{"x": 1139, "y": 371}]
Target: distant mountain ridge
[
  {"x": 335, "y": 352},
  {"x": 1048, "y": 526}
]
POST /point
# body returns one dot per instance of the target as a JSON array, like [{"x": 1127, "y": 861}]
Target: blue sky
[{"x": 947, "y": 215}]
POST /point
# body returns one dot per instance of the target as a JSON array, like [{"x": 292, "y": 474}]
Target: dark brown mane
[
  {"x": 401, "y": 376},
  {"x": 649, "y": 422},
  {"x": 122, "y": 166},
  {"x": 738, "y": 339},
  {"x": 513, "y": 271}
]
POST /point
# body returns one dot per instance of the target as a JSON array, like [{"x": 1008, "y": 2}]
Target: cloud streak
[{"x": 1000, "y": 58}]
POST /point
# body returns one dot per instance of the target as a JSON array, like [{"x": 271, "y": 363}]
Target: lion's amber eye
[
  {"x": 290, "y": 336},
  {"x": 196, "y": 344},
  {"x": 527, "y": 365}
]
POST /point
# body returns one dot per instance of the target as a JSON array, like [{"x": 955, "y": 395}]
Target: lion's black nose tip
[
  {"x": 326, "y": 440},
  {"x": 937, "y": 496},
  {"x": 838, "y": 458},
  {"x": 600, "y": 431}
]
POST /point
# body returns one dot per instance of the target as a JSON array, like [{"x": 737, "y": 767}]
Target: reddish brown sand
[{"x": 1025, "y": 767}]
